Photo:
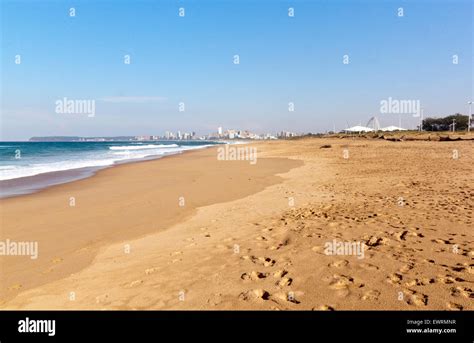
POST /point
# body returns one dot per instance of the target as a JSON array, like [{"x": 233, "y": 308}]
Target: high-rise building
[{"x": 219, "y": 130}]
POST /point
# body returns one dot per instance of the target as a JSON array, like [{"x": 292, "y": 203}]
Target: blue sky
[{"x": 190, "y": 59}]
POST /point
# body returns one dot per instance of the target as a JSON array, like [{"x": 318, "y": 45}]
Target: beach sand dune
[{"x": 264, "y": 247}]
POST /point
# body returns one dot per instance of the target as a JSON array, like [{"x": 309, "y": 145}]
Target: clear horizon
[{"x": 182, "y": 74}]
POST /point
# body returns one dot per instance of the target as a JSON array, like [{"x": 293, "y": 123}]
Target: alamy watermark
[
  {"x": 396, "y": 106},
  {"x": 344, "y": 248},
  {"x": 28, "y": 325},
  {"x": 12, "y": 248},
  {"x": 75, "y": 106},
  {"x": 237, "y": 153}
]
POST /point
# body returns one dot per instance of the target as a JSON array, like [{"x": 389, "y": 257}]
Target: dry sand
[{"x": 253, "y": 236}]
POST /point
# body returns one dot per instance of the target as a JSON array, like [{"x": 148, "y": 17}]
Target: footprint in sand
[
  {"x": 395, "y": 278},
  {"x": 440, "y": 241},
  {"x": 134, "y": 283},
  {"x": 280, "y": 245},
  {"x": 401, "y": 236},
  {"x": 323, "y": 308},
  {"x": 375, "y": 241},
  {"x": 420, "y": 282},
  {"x": 15, "y": 287},
  {"x": 448, "y": 279},
  {"x": 369, "y": 266},
  {"x": 150, "y": 270},
  {"x": 284, "y": 282},
  {"x": 371, "y": 295},
  {"x": 406, "y": 268},
  {"x": 255, "y": 294},
  {"x": 417, "y": 234},
  {"x": 415, "y": 298},
  {"x": 339, "y": 282},
  {"x": 287, "y": 297},
  {"x": 253, "y": 276},
  {"x": 339, "y": 264},
  {"x": 280, "y": 273},
  {"x": 264, "y": 261},
  {"x": 418, "y": 299},
  {"x": 458, "y": 269},
  {"x": 470, "y": 269},
  {"x": 462, "y": 291},
  {"x": 454, "y": 306}
]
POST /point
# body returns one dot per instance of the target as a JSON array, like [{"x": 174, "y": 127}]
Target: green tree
[{"x": 444, "y": 123}]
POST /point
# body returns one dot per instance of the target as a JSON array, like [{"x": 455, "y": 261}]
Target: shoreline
[
  {"x": 99, "y": 218},
  {"x": 32, "y": 184}
]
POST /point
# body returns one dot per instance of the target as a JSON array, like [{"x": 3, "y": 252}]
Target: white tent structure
[
  {"x": 358, "y": 129},
  {"x": 392, "y": 128},
  {"x": 373, "y": 125}
]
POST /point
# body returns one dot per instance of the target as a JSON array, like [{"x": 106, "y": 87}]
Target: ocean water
[{"x": 28, "y": 166}]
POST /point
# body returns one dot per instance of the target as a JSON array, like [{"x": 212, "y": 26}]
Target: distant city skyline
[
  {"x": 219, "y": 134},
  {"x": 140, "y": 68}
]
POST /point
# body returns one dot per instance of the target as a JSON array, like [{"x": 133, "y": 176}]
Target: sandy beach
[{"x": 192, "y": 232}]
